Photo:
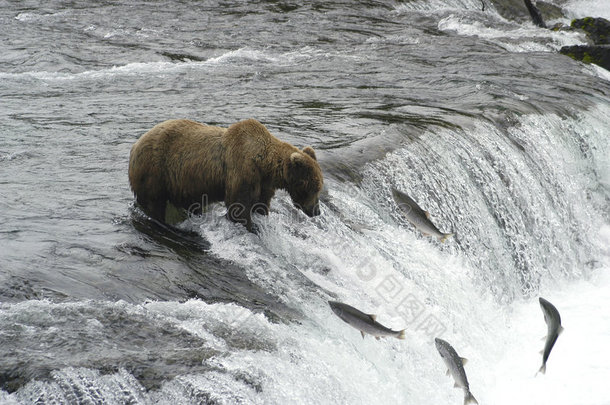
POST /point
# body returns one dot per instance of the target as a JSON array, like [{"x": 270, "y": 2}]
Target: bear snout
[{"x": 313, "y": 211}]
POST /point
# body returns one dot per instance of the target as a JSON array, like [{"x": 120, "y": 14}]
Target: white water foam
[
  {"x": 130, "y": 69},
  {"x": 511, "y": 36},
  {"x": 38, "y": 17},
  {"x": 588, "y": 8},
  {"x": 577, "y": 369},
  {"x": 241, "y": 56},
  {"x": 359, "y": 253},
  {"x": 438, "y": 5},
  {"x": 323, "y": 360},
  {"x": 598, "y": 71}
]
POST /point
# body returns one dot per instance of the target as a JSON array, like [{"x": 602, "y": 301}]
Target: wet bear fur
[{"x": 190, "y": 164}]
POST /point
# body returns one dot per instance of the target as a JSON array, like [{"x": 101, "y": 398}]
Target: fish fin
[
  {"x": 362, "y": 334},
  {"x": 377, "y": 337},
  {"x": 543, "y": 338},
  {"x": 542, "y": 368},
  {"x": 541, "y": 352},
  {"x": 448, "y": 372},
  {"x": 446, "y": 236},
  {"x": 559, "y": 330},
  {"x": 464, "y": 360},
  {"x": 470, "y": 399},
  {"x": 373, "y": 317},
  {"x": 401, "y": 334},
  {"x": 427, "y": 214},
  {"x": 456, "y": 385}
]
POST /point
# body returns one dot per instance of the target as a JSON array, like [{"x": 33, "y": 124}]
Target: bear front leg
[
  {"x": 239, "y": 202},
  {"x": 264, "y": 202},
  {"x": 240, "y": 213}
]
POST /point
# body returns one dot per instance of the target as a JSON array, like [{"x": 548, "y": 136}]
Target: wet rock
[
  {"x": 597, "y": 29},
  {"x": 550, "y": 11},
  {"x": 598, "y": 32},
  {"x": 598, "y": 54},
  {"x": 517, "y": 10},
  {"x": 535, "y": 14}
]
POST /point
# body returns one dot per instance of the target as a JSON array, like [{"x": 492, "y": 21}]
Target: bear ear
[
  {"x": 308, "y": 150},
  {"x": 297, "y": 158}
]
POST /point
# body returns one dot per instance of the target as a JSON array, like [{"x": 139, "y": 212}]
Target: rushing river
[{"x": 476, "y": 116}]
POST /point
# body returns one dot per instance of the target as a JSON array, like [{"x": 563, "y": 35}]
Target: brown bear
[{"x": 190, "y": 164}]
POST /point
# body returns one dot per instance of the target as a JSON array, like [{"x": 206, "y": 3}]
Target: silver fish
[
  {"x": 417, "y": 216},
  {"x": 554, "y": 329},
  {"x": 455, "y": 367},
  {"x": 365, "y": 323}
]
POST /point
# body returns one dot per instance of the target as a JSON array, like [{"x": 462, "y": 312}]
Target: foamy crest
[{"x": 511, "y": 36}]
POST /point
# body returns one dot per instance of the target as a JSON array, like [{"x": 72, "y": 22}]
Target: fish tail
[
  {"x": 470, "y": 399},
  {"x": 446, "y": 236},
  {"x": 542, "y": 368},
  {"x": 401, "y": 334}
]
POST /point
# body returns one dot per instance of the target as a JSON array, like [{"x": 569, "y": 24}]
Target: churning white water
[{"x": 515, "y": 240}]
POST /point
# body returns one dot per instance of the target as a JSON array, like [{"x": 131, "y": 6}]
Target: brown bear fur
[{"x": 190, "y": 164}]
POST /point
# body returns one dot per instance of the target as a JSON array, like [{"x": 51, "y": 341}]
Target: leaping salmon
[
  {"x": 417, "y": 216},
  {"x": 455, "y": 367},
  {"x": 554, "y": 329},
  {"x": 365, "y": 323}
]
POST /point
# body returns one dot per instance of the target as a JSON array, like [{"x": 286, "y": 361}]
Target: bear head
[{"x": 304, "y": 181}]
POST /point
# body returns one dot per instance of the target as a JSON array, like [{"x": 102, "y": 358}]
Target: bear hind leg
[{"x": 155, "y": 209}]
